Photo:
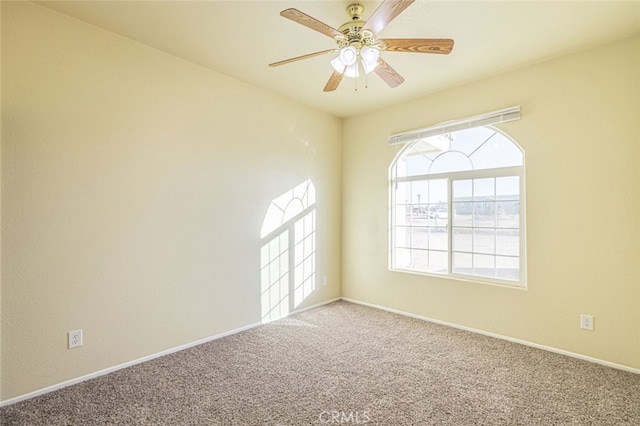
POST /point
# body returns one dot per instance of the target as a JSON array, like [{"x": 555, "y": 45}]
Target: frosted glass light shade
[
  {"x": 369, "y": 57},
  {"x": 348, "y": 55},
  {"x": 352, "y": 70},
  {"x": 338, "y": 65}
]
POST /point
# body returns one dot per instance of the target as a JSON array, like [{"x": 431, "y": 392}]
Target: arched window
[{"x": 456, "y": 206}]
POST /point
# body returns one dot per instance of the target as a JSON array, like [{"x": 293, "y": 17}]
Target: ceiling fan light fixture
[
  {"x": 346, "y": 62},
  {"x": 337, "y": 65},
  {"x": 348, "y": 55},
  {"x": 369, "y": 56}
]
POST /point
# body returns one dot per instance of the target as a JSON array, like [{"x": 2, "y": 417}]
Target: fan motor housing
[
  {"x": 354, "y": 36},
  {"x": 355, "y": 10}
]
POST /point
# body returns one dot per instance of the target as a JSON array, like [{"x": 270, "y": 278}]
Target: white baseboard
[
  {"x": 143, "y": 359},
  {"x": 250, "y": 326},
  {"x": 121, "y": 366},
  {"x": 498, "y": 336}
]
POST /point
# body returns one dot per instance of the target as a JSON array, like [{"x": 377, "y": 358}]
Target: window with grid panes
[{"x": 457, "y": 207}]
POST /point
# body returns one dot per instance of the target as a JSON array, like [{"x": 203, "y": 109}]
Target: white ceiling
[{"x": 239, "y": 38}]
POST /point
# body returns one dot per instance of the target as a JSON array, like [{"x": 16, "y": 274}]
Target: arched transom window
[{"x": 456, "y": 207}]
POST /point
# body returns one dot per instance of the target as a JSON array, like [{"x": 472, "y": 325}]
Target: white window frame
[{"x": 450, "y": 177}]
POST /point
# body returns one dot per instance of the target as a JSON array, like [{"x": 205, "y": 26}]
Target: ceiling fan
[{"x": 358, "y": 45}]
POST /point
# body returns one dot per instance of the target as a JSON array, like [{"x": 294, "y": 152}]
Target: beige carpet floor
[{"x": 347, "y": 364}]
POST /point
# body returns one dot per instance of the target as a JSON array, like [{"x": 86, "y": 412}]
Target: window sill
[{"x": 516, "y": 285}]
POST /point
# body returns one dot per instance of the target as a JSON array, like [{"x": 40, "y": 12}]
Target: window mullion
[
  {"x": 496, "y": 227},
  {"x": 521, "y": 231},
  {"x": 467, "y": 174},
  {"x": 473, "y": 227},
  {"x": 450, "y": 225}
]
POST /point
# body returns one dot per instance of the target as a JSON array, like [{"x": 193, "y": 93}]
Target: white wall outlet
[
  {"x": 586, "y": 322},
  {"x": 75, "y": 338},
  {"x": 324, "y": 280}
]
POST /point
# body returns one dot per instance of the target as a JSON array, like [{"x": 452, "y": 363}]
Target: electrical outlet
[
  {"x": 586, "y": 322},
  {"x": 324, "y": 280},
  {"x": 75, "y": 338}
]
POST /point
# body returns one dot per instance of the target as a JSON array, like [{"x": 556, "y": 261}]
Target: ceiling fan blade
[
  {"x": 388, "y": 74},
  {"x": 385, "y": 13},
  {"x": 333, "y": 82},
  {"x": 306, "y": 20},
  {"x": 418, "y": 45},
  {"x": 299, "y": 58}
]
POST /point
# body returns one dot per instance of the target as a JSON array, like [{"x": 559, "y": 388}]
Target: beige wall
[
  {"x": 580, "y": 132},
  {"x": 134, "y": 186}
]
